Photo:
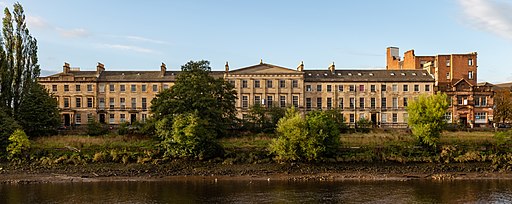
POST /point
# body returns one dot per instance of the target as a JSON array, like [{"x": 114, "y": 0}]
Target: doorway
[
  {"x": 67, "y": 120},
  {"x": 463, "y": 121},
  {"x": 374, "y": 119},
  {"x": 102, "y": 118},
  {"x": 133, "y": 118}
]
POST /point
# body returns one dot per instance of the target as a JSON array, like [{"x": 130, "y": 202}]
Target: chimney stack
[
  {"x": 66, "y": 68},
  {"x": 100, "y": 68},
  {"x": 227, "y": 67},
  {"x": 163, "y": 69},
  {"x": 300, "y": 68},
  {"x": 332, "y": 68}
]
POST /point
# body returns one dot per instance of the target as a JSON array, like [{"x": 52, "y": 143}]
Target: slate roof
[{"x": 376, "y": 75}]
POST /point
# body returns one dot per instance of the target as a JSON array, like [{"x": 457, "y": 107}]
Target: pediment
[{"x": 264, "y": 69}]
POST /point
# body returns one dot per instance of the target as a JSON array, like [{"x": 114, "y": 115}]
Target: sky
[{"x": 140, "y": 35}]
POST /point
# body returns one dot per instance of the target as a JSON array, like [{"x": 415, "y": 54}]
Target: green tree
[
  {"x": 38, "y": 112},
  {"x": 426, "y": 118},
  {"x": 502, "y": 105},
  {"x": 19, "y": 145},
  {"x": 189, "y": 137},
  {"x": 195, "y": 90},
  {"x": 292, "y": 133},
  {"x": 7, "y": 126},
  {"x": 323, "y": 136},
  {"x": 262, "y": 119},
  {"x": 337, "y": 116}
]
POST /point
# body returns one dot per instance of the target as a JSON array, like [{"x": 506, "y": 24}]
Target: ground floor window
[
  {"x": 78, "y": 118},
  {"x": 481, "y": 117},
  {"x": 448, "y": 117},
  {"x": 352, "y": 118},
  {"x": 384, "y": 117},
  {"x": 111, "y": 118},
  {"x": 122, "y": 118},
  {"x": 395, "y": 118}
]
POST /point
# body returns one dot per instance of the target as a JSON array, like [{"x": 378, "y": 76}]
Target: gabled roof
[
  {"x": 264, "y": 68},
  {"x": 462, "y": 80},
  {"x": 376, "y": 75}
]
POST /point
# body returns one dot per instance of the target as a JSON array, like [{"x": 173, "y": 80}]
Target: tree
[
  {"x": 195, "y": 90},
  {"x": 426, "y": 118},
  {"x": 308, "y": 138},
  {"x": 188, "y": 138},
  {"x": 7, "y": 126},
  {"x": 19, "y": 145},
  {"x": 38, "y": 113},
  {"x": 262, "y": 119},
  {"x": 502, "y": 105}
]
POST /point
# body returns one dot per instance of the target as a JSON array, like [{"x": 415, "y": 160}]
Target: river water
[{"x": 209, "y": 191}]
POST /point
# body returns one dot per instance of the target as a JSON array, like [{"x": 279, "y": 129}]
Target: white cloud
[
  {"x": 128, "y": 48},
  {"x": 36, "y": 21},
  {"x": 143, "y": 39},
  {"x": 490, "y": 15},
  {"x": 73, "y": 33}
]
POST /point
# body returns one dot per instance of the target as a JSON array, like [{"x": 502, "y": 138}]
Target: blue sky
[{"x": 140, "y": 35}]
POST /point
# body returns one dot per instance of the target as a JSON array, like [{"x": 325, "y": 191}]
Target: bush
[
  {"x": 18, "y": 146},
  {"x": 188, "y": 138},
  {"x": 364, "y": 125},
  {"x": 426, "y": 118},
  {"x": 7, "y": 126},
  {"x": 95, "y": 128},
  {"x": 307, "y": 138},
  {"x": 123, "y": 129}
]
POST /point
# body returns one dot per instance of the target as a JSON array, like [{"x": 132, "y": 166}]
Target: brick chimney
[
  {"x": 66, "y": 68},
  {"x": 100, "y": 68},
  {"x": 163, "y": 69},
  {"x": 332, "y": 68},
  {"x": 226, "y": 67},
  {"x": 300, "y": 68}
]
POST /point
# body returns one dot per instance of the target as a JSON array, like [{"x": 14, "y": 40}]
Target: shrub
[
  {"x": 426, "y": 118},
  {"x": 7, "y": 126},
  {"x": 18, "y": 146},
  {"x": 123, "y": 129},
  {"x": 292, "y": 132},
  {"x": 95, "y": 128}
]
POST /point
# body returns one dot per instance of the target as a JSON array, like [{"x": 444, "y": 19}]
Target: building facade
[
  {"x": 471, "y": 103},
  {"x": 114, "y": 97}
]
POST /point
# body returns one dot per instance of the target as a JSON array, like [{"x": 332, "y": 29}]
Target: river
[{"x": 230, "y": 191}]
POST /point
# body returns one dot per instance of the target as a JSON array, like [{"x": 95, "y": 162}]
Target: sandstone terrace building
[{"x": 114, "y": 97}]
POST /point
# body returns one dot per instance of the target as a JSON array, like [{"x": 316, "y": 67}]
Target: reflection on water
[{"x": 201, "y": 191}]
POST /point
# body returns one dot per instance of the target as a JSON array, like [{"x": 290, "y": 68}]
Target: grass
[
  {"x": 249, "y": 142},
  {"x": 88, "y": 142}
]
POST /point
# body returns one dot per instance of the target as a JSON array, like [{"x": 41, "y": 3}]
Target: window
[
  {"x": 395, "y": 87},
  {"x": 102, "y": 88},
  {"x": 477, "y": 101},
  {"x": 383, "y": 103},
  {"x": 295, "y": 101},
  {"x": 405, "y": 102},
  {"x": 78, "y": 118},
  {"x": 448, "y": 117},
  {"x": 447, "y": 63},
  {"x": 244, "y": 83},
  {"x": 395, "y": 117},
  {"x": 462, "y": 100},
  {"x": 282, "y": 83},
  {"x": 352, "y": 103},
  {"x": 245, "y": 102},
  {"x": 89, "y": 117},
  {"x": 329, "y": 88},
  {"x": 89, "y": 103},
  {"x": 308, "y": 104},
  {"x": 483, "y": 102},
  {"x": 361, "y": 88},
  {"x": 78, "y": 102},
  {"x": 102, "y": 103},
  {"x": 66, "y": 102},
  {"x": 319, "y": 87},
  {"x": 256, "y": 83},
  {"x": 269, "y": 101},
  {"x": 143, "y": 117},
  {"x": 295, "y": 83},
  {"x": 257, "y": 100},
  {"x": 449, "y": 98},
  {"x": 319, "y": 103},
  {"x": 308, "y": 88},
  {"x": 372, "y": 103},
  {"x": 122, "y": 103},
  {"x": 340, "y": 103},
  {"x": 383, "y": 87},
  {"x": 122, "y": 88},
  {"x": 78, "y": 87},
  {"x": 427, "y": 87},
  {"x": 352, "y": 88},
  {"x": 134, "y": 103},
  {"x": 361, "y": 103},
  {"x": 111, "y": 103},
  {"x": 89, "y": 87},
  {"x": 329, "y": 103},
  {"x": 470, "y": 74},
  {"x": 111, "y": 88},
  {"x": 122, "y": 118},
  {"x": 133, "y": 88},
  {"x": 66, "y": 88},
  {"x": 416, "y": 87},
  {"x": 144, "y": 104},
  {"x": 166, "y": 86},
  {"x": 372, "y": 88},
  {"x": 383, "y": 117},
  {"x": 155, "y": 88},
  {"x": 269, "y": 83},
  {"x": 406, "y": 88},
  {"x": 481, "y": 117},
  {"x": 470, "y": 62},
  {"x": 447, "y": 75},
  {"x": 54, "y": 88},
  {"x": 111, "y": 118},
  {"x": 352, "y": 118},
  {"x": 395, "y": 103},
  {"x": 282, "y": 101},
  {"x": 143, "y": 88},
  {"x": 340, "y": 88}
]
